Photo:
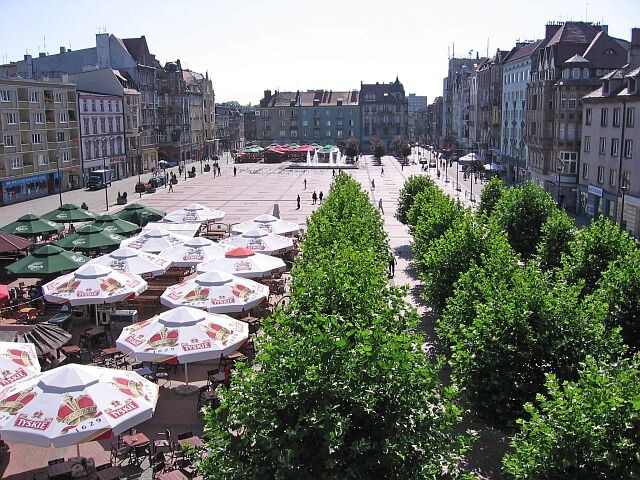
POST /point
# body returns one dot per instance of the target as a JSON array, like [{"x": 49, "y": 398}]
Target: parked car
[
  {"x": 422, "y": 160},
  {"x": 156, "y": 181},
  {"x": 432, "y": 163}
]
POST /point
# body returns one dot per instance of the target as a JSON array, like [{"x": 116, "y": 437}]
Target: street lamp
[
  {"x": 139, "y": 168},
  {"x": 623, "y": 189},
  {"x": 59, "y": 178},
  {"x": 106, "y": 184}
]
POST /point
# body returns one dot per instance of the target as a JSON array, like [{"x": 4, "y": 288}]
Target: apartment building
[
  {"x": 609, "y": 181},
  {"x": 384, "y": 112},
  {"x": 573, "y": 57},
  {"x": 39, "y": 152}
]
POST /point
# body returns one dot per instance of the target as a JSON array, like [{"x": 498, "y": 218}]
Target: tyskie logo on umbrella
[
  {"x": 8, "y": 377},
  {"x": 195, "y": 345},
  {"x": 242, "y": 266},
  {"x": 266, "y": 227},
  {"x": 198, "y": 294},
  {"x": 256, "y": 244},
  {"x": 117, "y": 265},
  {"x": 75, "y": 410},
  {"x": 130, "y": 387},
  {"x": 163, "y": 338},
  {"x": 21, "y": 357},
  {"x": 190, "y": 217},
  {"x": 217, "y": 332},
  {"x": 193, "y": 254},
  {"x": 35, "y": 422},
  {"x": 109, "y": 285},
  {"x": 242, "y": 291},
  {"x": 17, "y": 401},
  {"x": 121, "y": 409},
  {"x": 69, "y": 286},
  {"x": 35, "y": 266}
]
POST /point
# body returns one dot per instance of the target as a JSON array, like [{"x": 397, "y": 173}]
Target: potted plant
[
  {"x": 207, "y": 167},
  {"x": 122, "y": 198}
]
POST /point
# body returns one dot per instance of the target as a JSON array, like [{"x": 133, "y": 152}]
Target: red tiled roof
[{"x": 573, "y": 32}]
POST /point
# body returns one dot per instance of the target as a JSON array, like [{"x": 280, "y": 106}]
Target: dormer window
[
  {"x": 565, "y": 73},
  {"x": 585, "y": 73},
  {"x": 576, "y": 73},
  {"x": 631, "y": 85},
  {"x": 609, "y": 51}
]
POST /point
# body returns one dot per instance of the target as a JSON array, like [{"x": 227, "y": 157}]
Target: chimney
[
  {"x": 634, "y": 49},
  {"x": 27, "y": 71},
  {"x": 63, "y": 50},
  {"x": 42, "y": 54},
  {"x": 605, "y": 29},
  {"x": 267, "y": 95},
  {"x": 102, "y": 50},
  {"x": 551, "y": 29}
]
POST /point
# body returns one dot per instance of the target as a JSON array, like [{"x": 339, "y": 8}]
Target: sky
[{"x": 249, "y": 46}]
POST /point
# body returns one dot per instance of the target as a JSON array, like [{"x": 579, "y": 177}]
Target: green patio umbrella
[
  {"x": 47, "y": 260},
  {"x": 69, "y": 213},
  {"x": 113, "y": 224},
  {"x": 315, "y": 145},
  {"x": 90, "y": 237},
  {"x": 30, "y": 225},
  {"x": 140, "y": 215}
]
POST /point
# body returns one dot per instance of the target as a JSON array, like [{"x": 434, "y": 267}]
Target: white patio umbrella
[
  {"x": 154, "y": 241},
  {"x": 129, "y": 260},
  {"x": 183, "y": 335},
  {"x": 74, "y": 404},
  {"x": 93, "y": 284},
  {"x": 193, "y": 252},
  {"x": 18, "y": 361},
  {"x": 260, "y": 241},
  {"x": 246, "y": 263},
  {"x": 269, "y": 224},
  {"x": 194, "y": 213},
  {"x": 217, "y": 292}
]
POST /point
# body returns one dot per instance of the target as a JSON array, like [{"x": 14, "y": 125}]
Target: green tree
[
  {"x": 448, "y": 256},
  {"x": 585, "y": 430},
  {"x": 512, "y": 326},
  {"x": 521, "y": 212},
  {"x": 592, "y": 250},
  {"x": 433, "y": 223},
  {"x": 353, "y": 147},
  {"x": 423, "y": 203},
  {"x": 378, "y": 148},
  {"x": 619, "y": 291},
  {"x": 557, "y": 232},
  {"x": 412, "y": 186},
  {"x": 491, "y": 194}
]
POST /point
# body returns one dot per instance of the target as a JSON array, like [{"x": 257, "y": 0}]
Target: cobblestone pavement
[{"x": 254, "y": 190}]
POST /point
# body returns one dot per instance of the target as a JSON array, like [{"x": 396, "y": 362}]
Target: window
[
  {"x": 603, "y": 146},
  {"x": 87, "y": 151},
  {"x": 328, "y": 133},
  {"x": 39, "y": 117},
  {"x": 305, "y": 123},
  {"x": 339, "y": 133},
  {"x": 630, "y": 116},
  {"x": 572, "y": 101},
  {"x": 604, "y": 116},
  {"x": 587, "y": 116},
  {"x": 613, "y": 177},
  {"x": 66, "y": 157},
  {"x": 283, "y": 133},
  {"x": 36, "y": 138},
  {"x": 96, "y": 150},
  {"x": 587, "y": 144},
  {"x": 281, "y": 113},
  {"x": 57, "y": 97},
  {"x": 585, "y": 171},
  {"x": 600, "y": 174},
  {"x": 628, "y": 148},
  {"x": 103, "y": 127},
  {"x": 119, "y": 142},
  {"x": 110, "y": 106},
  {"x": 117, "y": 124},
  {"x": 563, "y": 101},
  {"x": 12, "y": 118},
  {"x": 84, "y": 105},
  {"x": 8, "y": 141},
  {"x": 60, "y": 136},
  {"x": 62, "y": 117},
  {"x": 93, "y": 105},
  {"x": 33, "y": 97},
  {"x": 85, "y": 123},
  {"x": 283, "y": 123},
  {"x": 42, "y": 160},
  {"x": 117, "y": 106},
  {"x": 328, "y": 123},
  {"x": 616, "y": 117},
  {"x": 4, "y": 96},
  {"x": 16, "y": 163},
  {"x": 615, "y": 144},
  {"x": 569, "y": 162},
  {"x": 102, "y": 105},
  {"x": 94, "y": 124},
  {"x": 257, "y": 113},
  {"x": 575, "y": 72}
]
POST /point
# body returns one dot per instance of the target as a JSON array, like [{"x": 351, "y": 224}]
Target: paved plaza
[{"x": 254, "y": 190}]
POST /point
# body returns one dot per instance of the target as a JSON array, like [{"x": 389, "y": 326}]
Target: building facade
[
  {"x": 173, "y": 115},
  {"x": 609, "y": 183},
  {"x": 314, "y": 116},
  {"x": 515, "y": 78},
  {"x": 572, "y": 59},
  {"x": 416, "y": 105},
  {"x": 384, "y": 113},
  {"x": 39, "y": 153},
  {"x": 102, "y": 133}
]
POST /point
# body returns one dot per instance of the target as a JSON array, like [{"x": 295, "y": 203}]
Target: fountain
[
  {"x": 308, "y": 157},
  {"x": 330, "y": 160}
]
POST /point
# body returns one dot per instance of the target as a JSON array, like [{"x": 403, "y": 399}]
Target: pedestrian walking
[
  {"x": 234, "y": 171},
  {"x": 219, "y": 172},
  {"x": 298, "y": 201},
  {"x": 171, "y": 186},
  {"x": 373, "y": 184},
  {"x": 320, "y": 196},
  {"x": 392, "y": 265},
  {"x": 314, "y": 198},
  {"x": 380, "y": 206},
  {"x": 305, "y": 183},
  {"x": 382, "y": 172},
  {"x": 214, "y": 171},
  {"x": 333, "y": 172}
]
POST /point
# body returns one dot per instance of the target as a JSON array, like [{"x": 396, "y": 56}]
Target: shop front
[{"x": 21, "y": 189}]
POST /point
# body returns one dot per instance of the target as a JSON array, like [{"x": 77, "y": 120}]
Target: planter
[
  {"x": 121, "y": 201},
  {"x": 192, "y": 174}
]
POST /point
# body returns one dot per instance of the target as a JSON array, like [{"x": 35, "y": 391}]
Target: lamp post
[
  {"x": 106, "y": 184},
  {"x": 457, "y": 174},
  {"x": 471, "y": 173},
  {"x": 446, "y": 170},
  {"x": 59, "y": 178},
  {"x": 623, "y": 189},
  {"x": 139, "y": 157}
]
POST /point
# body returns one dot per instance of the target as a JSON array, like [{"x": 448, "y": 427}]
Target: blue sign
[{"x": 20, "y": 182}]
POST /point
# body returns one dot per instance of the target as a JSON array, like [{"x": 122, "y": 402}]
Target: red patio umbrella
[
  {"x": 4, "y": 294},
  {"x": 12, "y": 243}
]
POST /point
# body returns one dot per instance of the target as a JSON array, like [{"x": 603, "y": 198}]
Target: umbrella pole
[
  {"x": 78, "y": 450},
  {"x": 186, "y": 389}
]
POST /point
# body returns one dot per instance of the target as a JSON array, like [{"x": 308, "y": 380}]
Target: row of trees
[
  {"x": 340, "y": 387},
  {"x": 535, "y": 314}
]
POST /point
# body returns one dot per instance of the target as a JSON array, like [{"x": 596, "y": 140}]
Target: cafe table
[{"x": 135, "y": 440}]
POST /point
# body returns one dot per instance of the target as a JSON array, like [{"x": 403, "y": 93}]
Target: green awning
[
  {"x": 69, "y": 213},
  {"x": 47, "y": 260},
  {"x": 140, "y": 215},
  {"x": 90, "y": 237},
  {"x": 113, "y": 224},
  {"x": 30, "y": 225}
]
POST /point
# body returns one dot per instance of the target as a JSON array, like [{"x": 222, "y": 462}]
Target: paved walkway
[{"x": 254, "y": 190}]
